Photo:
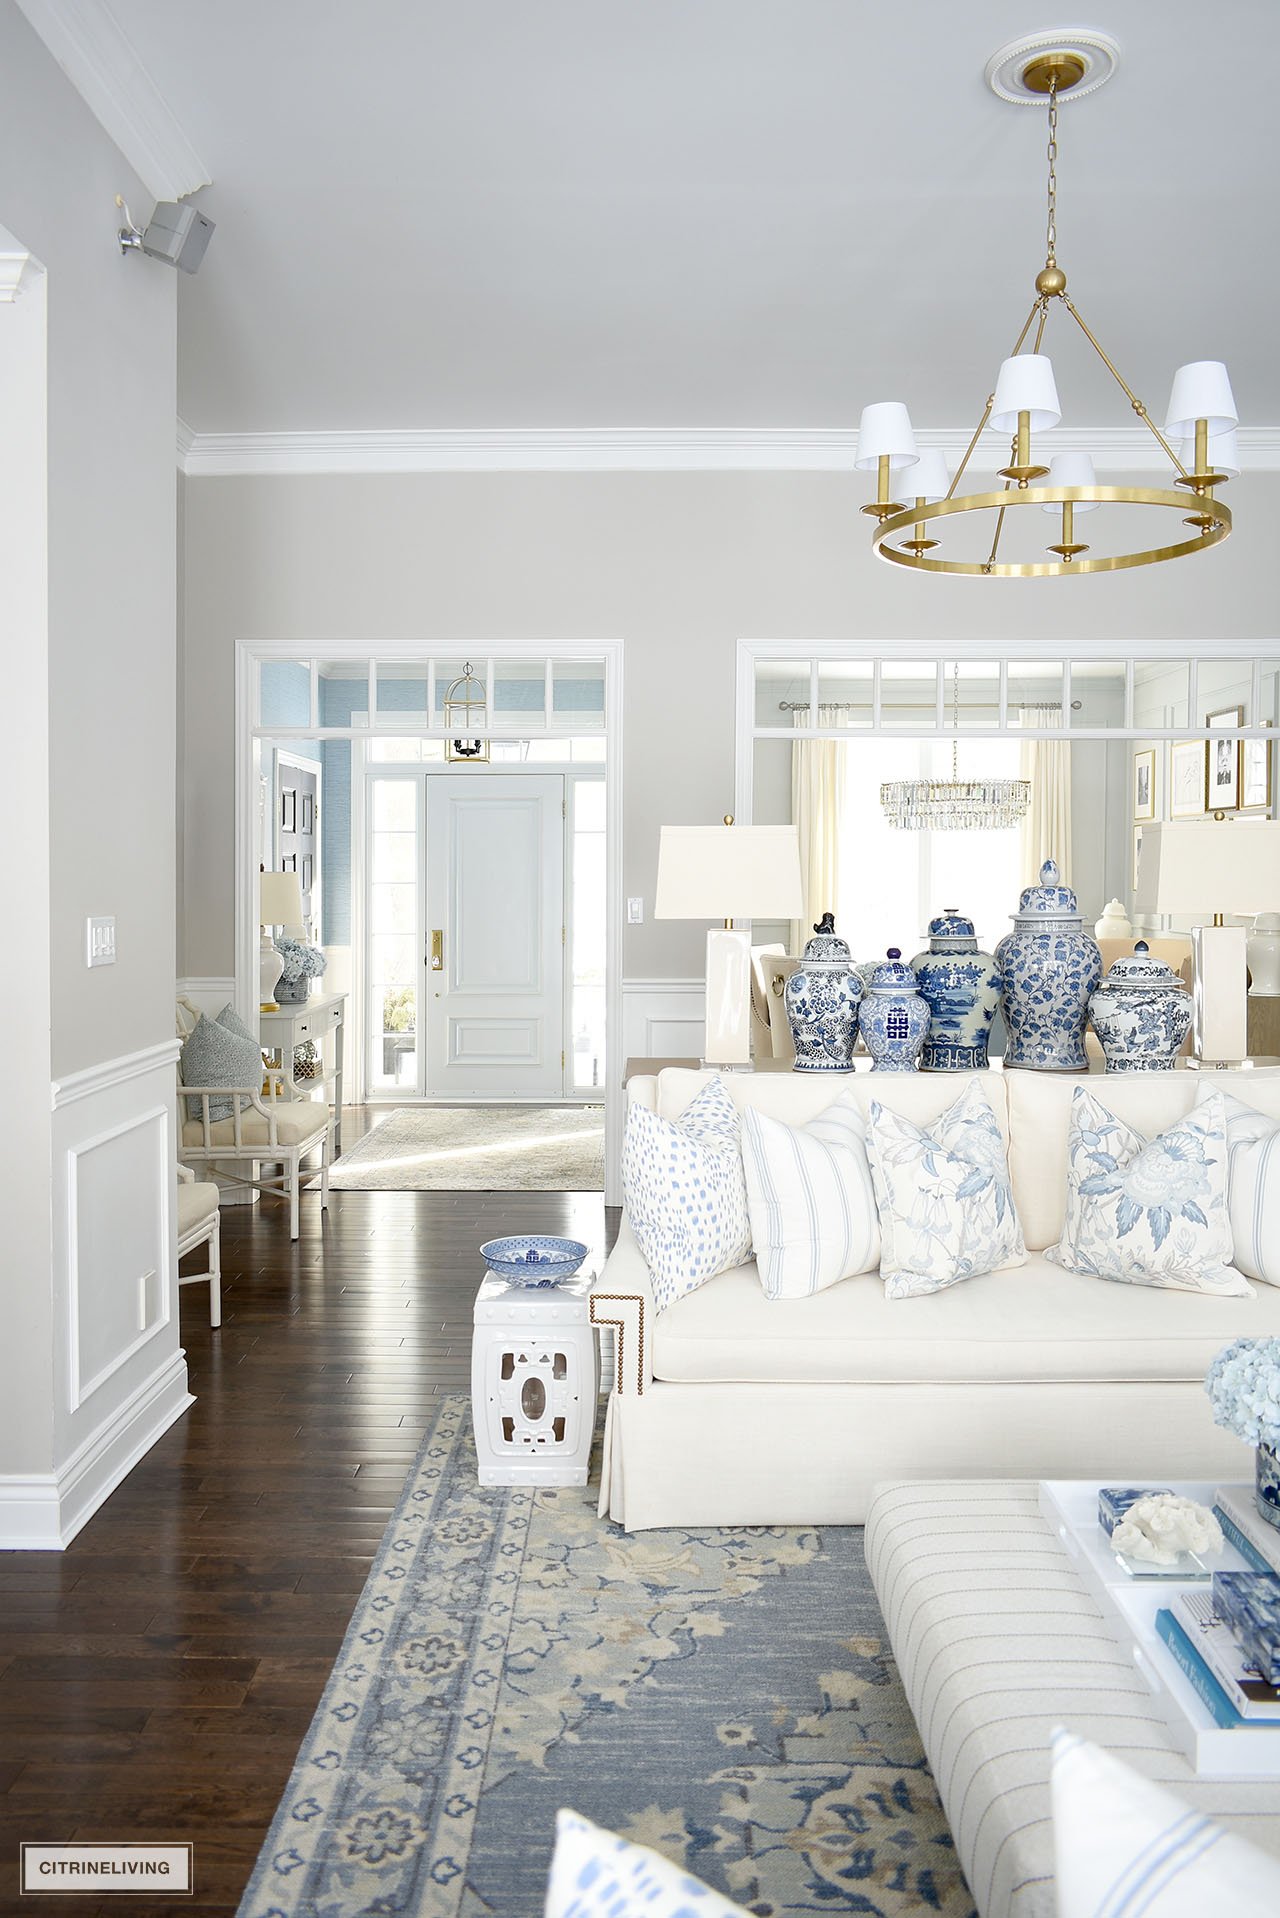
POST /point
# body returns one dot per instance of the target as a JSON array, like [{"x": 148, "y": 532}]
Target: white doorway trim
[{"x": 249, "y": 652}]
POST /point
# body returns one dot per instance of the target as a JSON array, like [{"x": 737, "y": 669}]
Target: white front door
[{"x": 495, "y": 936}]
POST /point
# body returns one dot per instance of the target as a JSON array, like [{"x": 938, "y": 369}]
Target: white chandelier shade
[
  {"x": 1201, "y": 391},
  {"x": 884, "y": 431},
  {"x": 1224, "y": 454},
  {"x": 1026, "y": 385},
  {"x": 1072, "y": 469},
  {"x": 928, "y": 479}
]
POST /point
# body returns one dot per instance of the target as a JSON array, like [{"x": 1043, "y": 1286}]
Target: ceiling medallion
[{"x": 1199, "y": 437}]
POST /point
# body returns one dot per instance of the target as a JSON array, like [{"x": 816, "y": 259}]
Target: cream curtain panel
[
  {"x": 817, "y": 797},
  {"x": 1046, "y": 826}
]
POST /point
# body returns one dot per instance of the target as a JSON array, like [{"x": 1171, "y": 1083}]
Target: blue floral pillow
[
  {"x": 597, "y": 1875},
  {"x": 1149, "y": 1212},
  {"x": 684, "y": 1192},
  {"x": 946, "y": 1206}
]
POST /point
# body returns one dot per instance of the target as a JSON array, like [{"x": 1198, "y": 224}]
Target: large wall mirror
[{"x": 1109, "y": 745}]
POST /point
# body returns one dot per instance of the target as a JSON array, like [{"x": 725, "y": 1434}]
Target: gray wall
[
  {"x": 89, "y": 767},
  {"x": 112, "y": 536},
  {"x": 679, "y": 565}
]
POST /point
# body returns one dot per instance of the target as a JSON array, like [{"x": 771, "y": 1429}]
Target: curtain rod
[{"x": 858, "y": 705}]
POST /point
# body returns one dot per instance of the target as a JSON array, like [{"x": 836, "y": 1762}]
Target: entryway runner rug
[
  {"x": 478, "y": 1149},
  {"x": 724, "y": 1696}
]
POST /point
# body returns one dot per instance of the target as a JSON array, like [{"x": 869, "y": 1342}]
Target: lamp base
[
  {"x": 728, "y": 1040},
  {"x": 1221, "y": 1007}
]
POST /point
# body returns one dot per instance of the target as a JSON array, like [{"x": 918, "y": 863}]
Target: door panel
[{"x": 495, "y": 941}]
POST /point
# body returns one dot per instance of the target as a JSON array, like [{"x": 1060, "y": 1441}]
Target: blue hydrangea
[
  {"x": 1243, "y": 1383},
  {"x": 298, "y": 961}
]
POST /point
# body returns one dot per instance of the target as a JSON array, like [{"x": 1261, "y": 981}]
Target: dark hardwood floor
[{"x": 157, "y": 1677}]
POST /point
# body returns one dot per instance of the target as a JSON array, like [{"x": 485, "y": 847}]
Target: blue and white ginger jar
[
  {"x": 1048, "y": 967},
  {"x": 894, "y": 1017},
  {"x": 1141, "y": 1012},
  {"x": 961, "y": 987},
  {"x": 821, "y": 998}
]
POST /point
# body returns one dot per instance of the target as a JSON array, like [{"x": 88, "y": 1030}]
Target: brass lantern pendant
[{"x": 463, "y": 710}]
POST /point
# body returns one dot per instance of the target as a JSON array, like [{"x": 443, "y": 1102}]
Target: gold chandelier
[{"x": 1201, "y": 417}]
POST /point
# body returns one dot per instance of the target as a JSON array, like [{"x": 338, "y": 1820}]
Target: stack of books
[{"x": 1205, "y": 1637}]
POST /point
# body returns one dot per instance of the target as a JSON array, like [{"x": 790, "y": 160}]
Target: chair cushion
[
  {"x": 296, "y": 1122},
  {"x": 1034, "y": 1322},
  {"x": 196, "y": 1204},
  {"x": 215, "y": 1055}
]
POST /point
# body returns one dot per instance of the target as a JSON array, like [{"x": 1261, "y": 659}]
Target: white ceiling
[{"x": 702, "y": 213}]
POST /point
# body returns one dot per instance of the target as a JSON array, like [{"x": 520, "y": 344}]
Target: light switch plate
[
  {"x": 635, "y": 912},
  {"x": 100, "y": 941}
]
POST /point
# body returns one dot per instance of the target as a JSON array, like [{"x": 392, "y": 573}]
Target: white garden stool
[{"x": 535, "y": 1380}]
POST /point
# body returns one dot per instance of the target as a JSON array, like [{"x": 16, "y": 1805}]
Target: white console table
[{"x": 322, "y": 1019}]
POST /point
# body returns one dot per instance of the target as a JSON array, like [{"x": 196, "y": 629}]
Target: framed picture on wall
[
  {"x": 1186, "y": 778},
  {"x": 1222, "y": 792},
  {"x": 1144, "y": 784},
  {"x": 1255, "y": 775}
]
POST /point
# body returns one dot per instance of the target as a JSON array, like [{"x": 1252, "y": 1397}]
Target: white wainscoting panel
[
  {"x": 663, "y": 1018},
  {"x": 209, "y": 995},
  {"x": 120, "y": 1377}
]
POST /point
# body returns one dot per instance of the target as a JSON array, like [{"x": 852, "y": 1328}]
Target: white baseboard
[{"x": 43, "y": 1512}]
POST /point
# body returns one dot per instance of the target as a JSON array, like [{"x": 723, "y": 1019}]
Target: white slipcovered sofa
[{"x": 731, "y": 1408}]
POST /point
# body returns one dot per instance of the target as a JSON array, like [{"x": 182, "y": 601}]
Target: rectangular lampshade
[
  {"x": 1228, "y": 866},
  {"x": 279, "y": 899},
  {"x": 729, "y": 872}
]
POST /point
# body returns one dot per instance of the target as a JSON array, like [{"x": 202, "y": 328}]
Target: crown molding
[
  {"x": 89, "y": 45},
  {"x": 16, "y": 270},
  {"x": 638, "y": 450}
]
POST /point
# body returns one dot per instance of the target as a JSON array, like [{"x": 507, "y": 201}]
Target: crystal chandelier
[
  {"x": 955, "y": 804},
  {"x": 1199, "y": 438}
]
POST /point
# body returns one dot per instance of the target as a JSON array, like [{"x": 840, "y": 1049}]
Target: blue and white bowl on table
[{"x": 533, "y": 1258}]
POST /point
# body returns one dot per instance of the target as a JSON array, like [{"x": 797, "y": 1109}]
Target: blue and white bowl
[{"x": 533, "y": 1258}]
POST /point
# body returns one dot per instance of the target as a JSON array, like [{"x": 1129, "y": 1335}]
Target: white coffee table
[{"x": 998, "y": 1640}]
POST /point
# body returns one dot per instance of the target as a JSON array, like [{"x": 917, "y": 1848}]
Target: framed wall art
[
  {"x": 1144, "y": 784},
  {"x": 1255, "y": 775},
  {"x": 1223, "y": 756},
  {"x": 1187, "y": 778}
]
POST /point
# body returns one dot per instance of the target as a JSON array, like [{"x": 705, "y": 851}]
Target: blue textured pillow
[
  {"x": 216, "y": 1055},
  {"x": 684, "y": 1192},
  {"x": 597, "y": 1875}
]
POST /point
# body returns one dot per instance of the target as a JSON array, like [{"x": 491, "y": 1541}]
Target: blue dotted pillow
[
  {"x": 597, "y": 1875},
  {"x": 215, "y": 1055},
  {"x": 684, "y": 1192}
]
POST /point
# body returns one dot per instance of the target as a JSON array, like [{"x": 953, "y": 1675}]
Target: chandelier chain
[{"x": 1051, "y": 225}]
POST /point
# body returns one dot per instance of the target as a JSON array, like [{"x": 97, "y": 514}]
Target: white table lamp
[
  {"x": 1223, "y": 866},
  {"x": 729, "y": 872},
  {"x": 279, "y": 904}
]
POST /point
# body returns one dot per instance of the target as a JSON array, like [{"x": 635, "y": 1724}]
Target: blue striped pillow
[
  {"x": 1125, "y": 1848},
  {"x": 1253, "y": 1186},
  {"x": 809, "y": 1193}
]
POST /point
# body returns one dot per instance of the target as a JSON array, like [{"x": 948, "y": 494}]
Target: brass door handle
[{"x": 436, "y": 961}]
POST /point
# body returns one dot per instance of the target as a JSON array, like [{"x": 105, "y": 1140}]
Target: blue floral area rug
[{"x": 724, "y": 1696}]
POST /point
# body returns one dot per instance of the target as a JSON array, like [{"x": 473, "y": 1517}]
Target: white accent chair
[
  {"x": 199, "y": 1224},
  {"x": 263, "y": 1130}
]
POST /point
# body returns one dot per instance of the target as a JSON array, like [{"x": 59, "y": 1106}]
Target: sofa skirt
[{"x": 769, "y": 1454}]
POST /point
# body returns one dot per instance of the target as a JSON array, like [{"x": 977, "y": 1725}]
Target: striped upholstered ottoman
[{"x": 998, "y": 1641}]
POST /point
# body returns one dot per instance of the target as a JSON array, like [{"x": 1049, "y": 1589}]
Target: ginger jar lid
[
  {"x": 1048, "y": 900},
  {"x": 893, "y": 974},
  {"x": 826, "y": 946},
  {"x": 1141, "y": 971},
  {"x": 951, "y": 931}
]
